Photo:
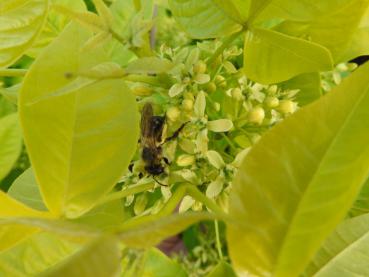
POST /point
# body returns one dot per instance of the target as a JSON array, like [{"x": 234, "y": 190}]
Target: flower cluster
[{"x": 224, "y": 114}]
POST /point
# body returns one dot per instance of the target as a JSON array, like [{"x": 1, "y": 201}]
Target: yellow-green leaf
[
  {"x": 272, "y": 57},
  {"x": 10, "y": 143},
  {"x": 20, "y": 23},
  {"x": 299, "y": 181},
  {"x": 80, "y": 150}
]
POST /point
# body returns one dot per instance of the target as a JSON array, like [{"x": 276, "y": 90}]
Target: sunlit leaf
[
  {"x": 80, "y": 150},
  {"x": 203, "y": 19},
  {"x": 299, "y": 181},
  {"x": 222, "y": 269},
  {"x": 10, "y": 94},
  {"x": 10, "y": 143},
  {"x": 101, "y": 258},
  {"x": 345, "y": 252},
  {"x": 20, "y": 23},
  {"x": 272, "y": 57},
  {"x": 37, "y": 252}
]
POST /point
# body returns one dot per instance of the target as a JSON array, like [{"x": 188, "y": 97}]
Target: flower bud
[
  {"x": 220, "y": 125},
  {"x": 185, "y": 160},
  {"x": 187, "y": 105},
  {"x": 237, "y": 94},
  {"x": 256, "y": 115},
  {"x": 186, "y": 203},
  {"x": 287, "y": 106},
  {"x": 215, "y": 187},
  {"x": 215, "y": 159},
  {"x": 216, "y": 106},
  {"x": 199, "y": 67},
  {"x": 211, "y": 87},
  {"x": 140, "y": 204},
  {"x": 220, "y": 81},
  {"x": 202, "y": 78},
  {"x": 273, "y": 89},
  {"x": 173, "y": 114},
  {"x": 142, "y": 90},
  {"x": 271, "y": 102}
]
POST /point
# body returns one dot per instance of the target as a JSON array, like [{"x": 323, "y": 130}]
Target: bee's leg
[
  {"x": 153, "y": 176},
  {"x": 130, "y": 167},
  {"x": 176, "y": 133},
  {"x": 165, "y": 159}
]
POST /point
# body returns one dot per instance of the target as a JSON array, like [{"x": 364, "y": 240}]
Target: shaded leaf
[
  {"x": 222, "y": 269},
  {"x": 25, "y": 189}
]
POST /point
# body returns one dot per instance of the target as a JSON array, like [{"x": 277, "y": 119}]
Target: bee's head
[{"x": 154, "y": 169}]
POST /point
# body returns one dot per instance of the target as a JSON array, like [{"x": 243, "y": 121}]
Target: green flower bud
[
  {"x": 211, "y": 87},
  {"x": 188, "y": 95},
  {"x": 142, "y": 90},
  {"x": 187, "y": 105},
  {"x": 140, "y": 204},
  {"x": 215, "y": 187},
  {"x": 200, "y": 105},
  {"x": 256, "y": 115},
  {"x": 201, "y": 78},
  {"x": 271, "y": 102},
  {"x": 273, "y": 89},
  {"x": 220, "y": 125},
  {"x": 220, "y": 81},
  {"x": 237, "y": 94},
  {"x": 173, "y": 114},
  {"x": 231, "y": 69},
  {"x": 216, "y": 106},
  {"x": 199, "y": 67},
  {"x": 287, "y": 106},
  {"x": 185, "y": 160},
  {"x": 215, "y": 159},
  {"x": 186, "y": 203}
]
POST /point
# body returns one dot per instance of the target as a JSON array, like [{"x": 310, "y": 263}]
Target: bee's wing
[{"x": 147, "y": 136}]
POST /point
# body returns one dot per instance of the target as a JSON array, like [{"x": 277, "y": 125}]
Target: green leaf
[
  {"x": 155, "y": 263},
  {"x": 308, "y": 85},
  {"x": 92, "y": 132},
  {"x": 10, "y": 143},
  {"x": 203, "y": 19},
  {"x": 54, "y": 25},
  {"x": 25, "y": 189},
  {"x": 38, "y": 252},
  {"x": 6, "y": 107},
  {"x": 104, "y": 12},
  {"x": 237, "y": 10},
  {"x": 10, "y": 94},
  {"x": 345, "y": 252},
  {"x": 298, "y": 182},
  {"x": 335, "y": 31},
  {"x": 149, "y": 65},
  {"x": 155, "y": 228},
  {"x": 21, "y": 22},
  {"x": 271, "y": 57},
  {"x": 101, "y": 258},
  {"x": 361, "y": 205},
  {"x": 13, "y": 233},
  {"x": 222, "y": 269}
]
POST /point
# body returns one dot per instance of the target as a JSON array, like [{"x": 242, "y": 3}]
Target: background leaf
[
  {"x": 222, "y": 269},
  {"x": 79, "y": 151},
  {"x": 21, "y": 22},
  {"x": 203, "y": 19},
  {"x": 298, "y": 182},
  {"x": 25, "y": 189},
  {"x": 10, "y": 143},
  {"x": 345, "y": 252},
  {"x": 271, "y": 57}
]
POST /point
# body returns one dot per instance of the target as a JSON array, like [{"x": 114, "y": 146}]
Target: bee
[{"x": 152, "y": 127}]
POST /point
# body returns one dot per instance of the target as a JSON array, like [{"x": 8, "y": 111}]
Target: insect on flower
[{"x": 152, "y": 127}]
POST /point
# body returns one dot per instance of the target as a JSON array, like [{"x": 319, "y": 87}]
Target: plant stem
[
  {"x": 12, "y": 72},
  {"x": 217, "y": 240},
  {"x": 127, "y": 192},
  {"x": 199, "y": 196},
  {"x": 225, "y": 44},
  {"x": 231, "y": 144},
  {"x": 174, "y": 200}
]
